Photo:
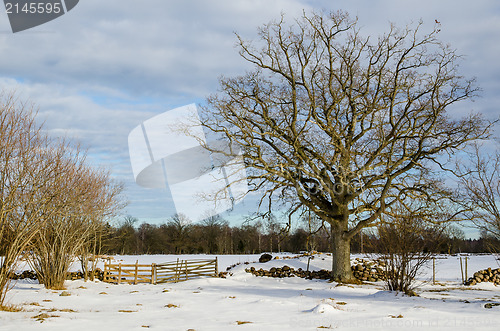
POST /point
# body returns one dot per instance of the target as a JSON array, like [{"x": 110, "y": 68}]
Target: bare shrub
[
  {"x": 30, "y": 166},
  {"x": 87, "y": 196},
  {"x": 407, "y": 243}
]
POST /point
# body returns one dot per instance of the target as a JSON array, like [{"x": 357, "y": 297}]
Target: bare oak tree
[{"x": 342, "y": 124}]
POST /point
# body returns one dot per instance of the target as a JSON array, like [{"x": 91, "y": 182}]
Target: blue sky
[{"x": 103, "y": 68}]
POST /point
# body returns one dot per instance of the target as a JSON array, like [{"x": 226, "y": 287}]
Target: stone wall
[{"x": 486, "y": 275}]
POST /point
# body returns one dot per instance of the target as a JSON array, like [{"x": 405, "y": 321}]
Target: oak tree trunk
[{"x": 341, "y": 256}]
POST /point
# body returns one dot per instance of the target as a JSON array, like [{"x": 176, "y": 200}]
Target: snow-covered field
[{"x": 246, "y": 302}]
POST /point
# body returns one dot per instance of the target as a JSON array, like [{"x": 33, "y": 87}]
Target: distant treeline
[{"x": 216, "y": 236}]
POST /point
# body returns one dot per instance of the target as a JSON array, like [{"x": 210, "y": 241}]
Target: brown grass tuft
[
  {"x": 41, "y": 317},
  {"x": 33, "y": 304},
  {"x": 171, "y": 305},
  {"x": 10, "y": 308}
]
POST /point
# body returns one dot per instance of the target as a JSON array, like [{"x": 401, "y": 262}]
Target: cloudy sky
[{"x": 106, "y": 66}]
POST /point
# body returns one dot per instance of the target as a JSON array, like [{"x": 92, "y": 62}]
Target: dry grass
[
  {"x": 64, "y": 310},
  {"x": 41, "y": 317},
  {"x": 457, "y": 288},
  {"x": 10, "y": 308},
  {"x": 242, "y": 322},
  {"x": 353, "y": 281},
  {"x": 344, "y": 284},
  {"x": 171, "y": 305},
  {"x": 32, "y": 304}
]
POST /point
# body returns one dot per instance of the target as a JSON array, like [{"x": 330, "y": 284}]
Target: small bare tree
[
  {"x": 91, "y": 250},
  {"x": 212, "y": 228},
  {"x": 31, "y": 164},
  {"x": 180, "y": 227},
  {"x": 313, "y": 224},
  {"x": 343, "y": 124},
  {"x": 407, "y": 240}
]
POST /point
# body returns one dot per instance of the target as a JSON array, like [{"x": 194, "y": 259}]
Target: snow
[{"x": 244, "y": 301}]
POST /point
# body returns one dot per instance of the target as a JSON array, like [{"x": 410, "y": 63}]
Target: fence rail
[{"x": 169, "y": 272}]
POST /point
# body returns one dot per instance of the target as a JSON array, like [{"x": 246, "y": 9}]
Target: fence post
[
  {"x": 433, "y": 271},
  {"x": 107, "y": 269},
  {"x": 461, "y": 270},
  {"x": 216, "y": 267},
  {"x": 186, "y": 270},
  {"x": 153, "y": 273},
  {"x": 135, "y": 275},
  {"x": 466, "y": 258},
  {"x": 119, "y": 273},
  {"x": 105, "y": 273},
  {"x": 177, "y": 271}
]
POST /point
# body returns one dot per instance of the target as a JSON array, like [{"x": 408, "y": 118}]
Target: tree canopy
[{"x": 344, "y": 124}]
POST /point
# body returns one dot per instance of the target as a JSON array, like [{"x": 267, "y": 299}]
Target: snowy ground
[{"x": 247, "y": 302}]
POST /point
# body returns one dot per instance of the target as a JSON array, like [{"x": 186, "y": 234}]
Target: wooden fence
[{"x": 170, "y": 272}]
